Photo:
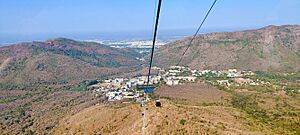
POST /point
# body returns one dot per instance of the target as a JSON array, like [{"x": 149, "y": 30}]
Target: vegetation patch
[
  {"x": 83, "y": 86},
  {"x": 9, "y": 99},
  {"x": 92, "y": 58},
  {"x": 8, "y": 86},
  {"x": 249, "y": 105},
  {"x": 282, "y": 120}
]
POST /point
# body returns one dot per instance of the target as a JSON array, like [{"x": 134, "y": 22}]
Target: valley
[{"x": 245, "y": 82}]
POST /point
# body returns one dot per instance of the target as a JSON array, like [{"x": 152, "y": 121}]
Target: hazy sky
[{"x": 63, "y": 16}]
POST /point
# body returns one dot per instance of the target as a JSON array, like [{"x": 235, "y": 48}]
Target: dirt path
[{"x": 4, "y": 64}]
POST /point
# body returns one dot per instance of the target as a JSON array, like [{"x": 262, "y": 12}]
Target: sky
[{"x": 29, "y": 18}]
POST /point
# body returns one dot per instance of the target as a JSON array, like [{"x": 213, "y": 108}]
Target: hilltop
[
  {"x": 268, "y": 48},
  {"x": 61, "y": 60}
]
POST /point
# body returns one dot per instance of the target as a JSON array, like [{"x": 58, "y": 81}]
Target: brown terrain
[
  {"x": 268, "y": 48},
  {"x": 201, "y": 109},
  {"x": 187, "y": 109},
  {"x": 127, "y": 120},
  {"x": 194, "y": 94},
  {"x": 39, "y": 110},
  {"x": 37, "y": 80}
]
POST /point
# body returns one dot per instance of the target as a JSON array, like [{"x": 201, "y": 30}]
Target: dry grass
[
  {"x": 102, "y": 119},
  {"x": 194, "y": 94},
  {"x": 169, "y": 119},
  {"x": 189, "y": 109},
  {"x": 184, "y": 119},
  {"x": 38, "y": 112}
]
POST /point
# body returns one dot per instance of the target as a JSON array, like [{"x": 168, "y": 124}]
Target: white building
[
  {"x": 140, "y": 82},
  {"x": 190, "y": 78},
  {"x": 231, "y": 74},
  {"x": 172, "y": 82}
]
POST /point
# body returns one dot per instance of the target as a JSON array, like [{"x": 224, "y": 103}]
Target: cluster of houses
[
  {"x": 176, "y": 75},
  {"x": 127, "y": 89},
  {"x": 123, "y": 88},
  {"x": 239, "y": 78}
]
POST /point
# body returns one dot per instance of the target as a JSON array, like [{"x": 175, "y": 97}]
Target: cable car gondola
[{"x": 158, "y": 103}]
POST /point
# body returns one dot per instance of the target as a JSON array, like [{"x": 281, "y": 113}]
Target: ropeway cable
[
  {"x": 154, "y": 40},
  {"x": 191, "y": 41}
]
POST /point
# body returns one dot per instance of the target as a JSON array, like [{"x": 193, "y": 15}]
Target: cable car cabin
[
  {"x": 157, "y": 103},
  {"x": 146, "y": 88}
]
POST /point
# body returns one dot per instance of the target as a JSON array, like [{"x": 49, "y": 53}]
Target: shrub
[{"x": 182, "y": 121}]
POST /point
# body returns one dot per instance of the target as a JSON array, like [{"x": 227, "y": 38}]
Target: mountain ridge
[
  {"x": 62, "y": 60},
  {"x": 267, "y": 48}
]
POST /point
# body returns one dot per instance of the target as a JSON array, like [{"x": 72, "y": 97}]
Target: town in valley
[{"x": 132, "y": 89}]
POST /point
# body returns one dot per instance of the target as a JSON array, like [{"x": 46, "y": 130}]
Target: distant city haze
[{"x": 133, "y": 19}]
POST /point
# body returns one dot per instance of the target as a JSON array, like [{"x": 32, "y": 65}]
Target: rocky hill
[
  {"x": 62, "y": 60},
  {"x": 268, "y": 48}
]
